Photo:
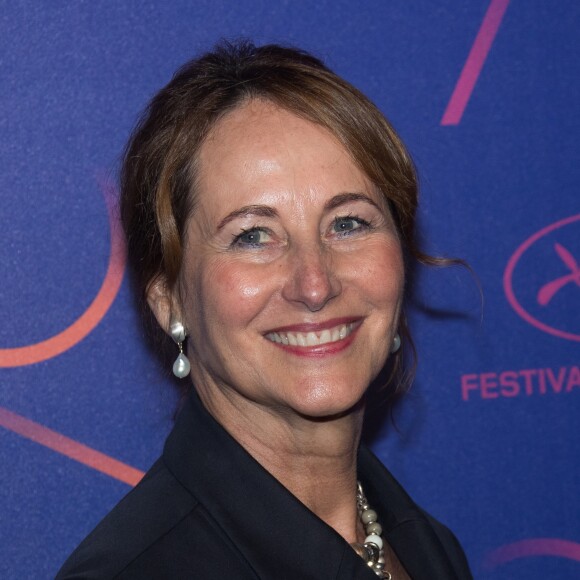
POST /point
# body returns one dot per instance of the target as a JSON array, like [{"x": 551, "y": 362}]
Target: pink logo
[
  {"x": 474, "y": 63},
  {"x": 554, "y": 547},
  {"x": 539, "y": 278},
  {"x": 548, "y": 290}
]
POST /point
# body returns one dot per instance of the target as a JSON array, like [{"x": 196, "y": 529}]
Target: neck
[{"x": 314, "y": 458}]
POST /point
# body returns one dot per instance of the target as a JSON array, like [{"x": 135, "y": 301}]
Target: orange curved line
[
  {"x": 61, "y": 342},
  {"x": 69, "y": 447}
]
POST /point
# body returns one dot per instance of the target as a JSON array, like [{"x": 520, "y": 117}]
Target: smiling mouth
[{"x": 310, "y": 339}]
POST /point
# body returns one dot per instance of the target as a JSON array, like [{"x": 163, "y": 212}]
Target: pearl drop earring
[
  {"x": 181, "y": 366},
  {"x": 396, "y": 343}
]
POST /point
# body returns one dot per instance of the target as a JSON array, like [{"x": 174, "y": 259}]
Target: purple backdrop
[{"x": 485, "y": 93}]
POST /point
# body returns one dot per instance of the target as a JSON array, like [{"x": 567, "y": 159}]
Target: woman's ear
[{"x": 160, "y": 300}]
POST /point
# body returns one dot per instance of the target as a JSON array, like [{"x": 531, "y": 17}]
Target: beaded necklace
[{"x": 372, "y": 549}]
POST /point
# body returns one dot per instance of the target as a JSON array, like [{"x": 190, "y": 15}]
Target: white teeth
[{"x": 312, "y": 338}]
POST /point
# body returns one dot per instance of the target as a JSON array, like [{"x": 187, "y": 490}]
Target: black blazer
[{"x": 208, "y": 510}]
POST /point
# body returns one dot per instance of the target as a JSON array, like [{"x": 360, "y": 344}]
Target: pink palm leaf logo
[{"x": 548, "y": 290}]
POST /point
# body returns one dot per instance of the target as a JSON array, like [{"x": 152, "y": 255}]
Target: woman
[{"x": 269, "y": 211}]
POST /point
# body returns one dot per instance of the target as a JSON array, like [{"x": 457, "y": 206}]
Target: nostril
[{"x": 314, "y": 288}]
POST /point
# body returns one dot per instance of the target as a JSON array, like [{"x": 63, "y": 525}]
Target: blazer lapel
[{"x": 405, "y": 526}]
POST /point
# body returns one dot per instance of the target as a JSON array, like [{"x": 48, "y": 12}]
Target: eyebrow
[
  {"x": 249, "y": 210},
  {"x": 343, "y": 198},
  {"x": 270, "y": 212}
]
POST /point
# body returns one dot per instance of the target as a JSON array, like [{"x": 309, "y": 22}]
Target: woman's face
[{"x": 292, "y": 280}]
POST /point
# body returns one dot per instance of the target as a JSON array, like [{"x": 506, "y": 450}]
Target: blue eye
[
  {"x": 254, "y": 237},
  {"x": 346, "y": 225}
]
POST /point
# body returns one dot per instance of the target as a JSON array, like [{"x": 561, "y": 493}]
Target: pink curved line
[
  {"x": 567, "y": 257},
  {"x": 550, "y": 289},
  {"x": 69, "y": 447},
  {"x": 474, "y": 63},
  {"x": 507, "y": 280},
  {"x": 533, "y": 547},
  {"x": 61, "y": 342}
]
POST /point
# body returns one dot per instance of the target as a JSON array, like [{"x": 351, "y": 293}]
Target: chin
[{"x": 327, "y": 403}]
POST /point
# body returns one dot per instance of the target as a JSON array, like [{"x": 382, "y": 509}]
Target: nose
[{"x": 312, "y": 279}]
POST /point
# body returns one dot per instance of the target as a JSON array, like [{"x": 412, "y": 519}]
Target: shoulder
[
  {"x": 149, "y": 512},
  {"x": 158, "y": 530},
  {"x": 422, "y": 543}
]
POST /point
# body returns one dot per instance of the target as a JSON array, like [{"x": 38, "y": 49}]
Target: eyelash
[
  {"x": 363, "y": 225},
  {"x": 237, "y": 237}
]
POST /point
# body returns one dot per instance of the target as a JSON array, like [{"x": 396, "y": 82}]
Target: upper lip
[{"x": 315, "y": 326}]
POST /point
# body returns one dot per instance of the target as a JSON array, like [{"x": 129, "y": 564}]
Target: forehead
[
  {"x": 261, "y": 127},
  {"x": 260, "y": 149}
]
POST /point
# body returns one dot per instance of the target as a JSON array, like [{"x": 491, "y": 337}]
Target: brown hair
[{"x": 158, "y": 173}]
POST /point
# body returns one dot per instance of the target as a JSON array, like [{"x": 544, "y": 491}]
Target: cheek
[
  {"x": 234, "y": 292},
  {"x": 381, "y": 273}
]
